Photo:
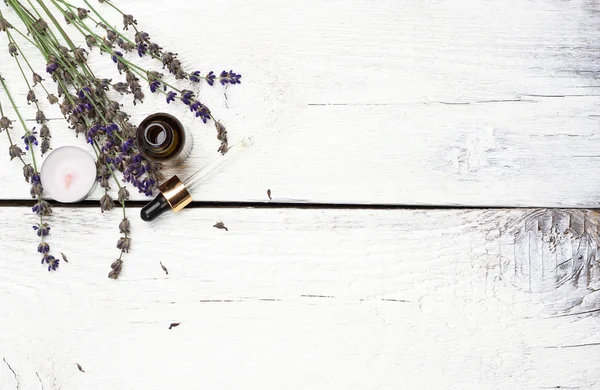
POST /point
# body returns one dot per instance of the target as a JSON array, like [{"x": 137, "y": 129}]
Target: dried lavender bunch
[
  {"x": 41, "y": 208},
  {"x": 146, "y": 47},
  {"x": 84, "y": 99}
]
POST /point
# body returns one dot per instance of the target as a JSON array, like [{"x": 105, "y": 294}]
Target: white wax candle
[{"x": 68, "y": 174}]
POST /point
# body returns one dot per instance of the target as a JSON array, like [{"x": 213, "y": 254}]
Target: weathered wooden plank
[
  {"x": 414, "y": 102},
  {"x": 306, "y": 299}
]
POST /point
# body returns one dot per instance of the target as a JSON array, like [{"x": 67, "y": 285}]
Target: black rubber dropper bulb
[{"x": 155, "y": 208}]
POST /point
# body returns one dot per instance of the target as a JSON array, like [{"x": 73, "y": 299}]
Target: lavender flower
[
  {"x": 42, "y": 229},
  {"x": 5, "y": 123},
  {"x": 125, "y": 226},
  {"x": 229, "y": 78},
  {"x": 40, "y": 117},
  {"x": 106, "y": 203},
  {"x": 210, "y": 78},
  {"x": 51, "y": 261},
  {"x": 15, "y": 151},
  {"x": 37, "y": 79},
  {"x": 12, "y": 49},
  {"x": 42, "y": 208},
  {"x": 195, "y": 76},
  {"x": 4, "y": 25},
  {"x": 30, "y": 139},
  {"x": 128, "y": 20},
  {"x": 31, "y": 97},
  {"x": 171, "y": 96}
]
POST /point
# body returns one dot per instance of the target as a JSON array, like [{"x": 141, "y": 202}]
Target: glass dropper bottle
[{"x": 175, "y": 194}]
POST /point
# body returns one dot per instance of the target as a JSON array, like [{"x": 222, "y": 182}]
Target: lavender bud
[
  {"x": 4, "y": 25},
  {"x": 69, "y": 17},
  {"x": 12, "y": 49},
  {"x": 123, "y": 195},
  {"x": 40, "y": 117},
  {"x": 45, "y": 146},
  {"x": 104, "y": 182},
  {"x": 114, "y": 105},
  {"x": 221, "y": 131},
  {"x": 31, "y": 97},
  {"x": 124, "y": 244},
  {"x": 128, "y": 20},
  {"x": 130, "y": 77},
  {"x": 82, "y": 13},
  {"x": 42, "y": 208},
  {"x": 154, "y": 49},
  {"x": 27, "y": 171},
  {"x": 52, "y": 99},
  {"x": 138, "y": 95},
  {"x": 5, "y": 123},
  {"x": 106, "y": 203},
  {"x": 125, "y": 45},
  {"x": 15, "y": 151},
  {"x": 63, "y": 50},
  {"x": 124, "y": 226},
  {"x": 121, "y": 87},
  {"x": 223, "y": 148},
  {"x": 117, "y": 265},
  {"x": 90, "y": 40},
  {"x": 36, "y": 190},
  {"x": 37, "y": 79},
  {"x": 43, "y": 247},
  {"x": 111, "y": 35},
  {"x": 44, "y": 132},
  {"x": 80, "y": 128},
  {"x": 80, "y": 54}
]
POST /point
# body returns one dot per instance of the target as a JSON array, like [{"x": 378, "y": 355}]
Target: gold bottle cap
[{"x": 176, "y": 194}]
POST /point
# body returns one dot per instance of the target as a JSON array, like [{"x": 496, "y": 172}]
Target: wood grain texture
[
  {"x": 440, "y": 103},
  {"x": 301, "y": 299}
]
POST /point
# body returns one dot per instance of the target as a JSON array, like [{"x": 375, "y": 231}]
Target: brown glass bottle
[{"x": 162, "y": 138}]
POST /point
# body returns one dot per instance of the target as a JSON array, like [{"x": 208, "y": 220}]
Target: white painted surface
[
  {"x": 454, "y": 102},
  {"x": 347, "y": 101},
  {"x": 305, "y": 299}
]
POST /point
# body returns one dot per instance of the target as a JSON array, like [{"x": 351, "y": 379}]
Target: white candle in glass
[{"x": 68, "y": 174}]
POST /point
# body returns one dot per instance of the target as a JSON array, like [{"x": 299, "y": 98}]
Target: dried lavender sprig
[
  {"x": 40, "y": 117},
  {"x": 185, "y": 96},
  {"x": 124, "y": 243},
  {"x": 225, "y": 77},
  {"x": 41, "y": 208}
]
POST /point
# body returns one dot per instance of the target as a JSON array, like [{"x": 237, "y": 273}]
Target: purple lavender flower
[
  {"x": 115, "y": 55},
  {"x": 195, "y": 76},
  {"x": 210, "y": 78},
  {"x": 42, "y": 229},
  {"x": 229, "y": 77},
  {"x": 142, "y": 49},
  {"x": 51, "y": 67},
  {"x": 30, "y": 139},
  {"x": 127, "y": 145},
  {"x": 154, "y": 86},
  {"x": 186, "y": 97},
  {"x": 51, "y": 261},
  {"x": 171, "y": 97},
  {"x": 43, "y": 247}
]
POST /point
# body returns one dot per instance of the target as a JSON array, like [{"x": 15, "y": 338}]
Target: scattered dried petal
[
  {"x": 79, "y": 367},
  {"x": 269, "y": 193},
  {"x": 64, "y": 257},
  {"x": 220, "y": 225},
  {"x": 164, "y": 268},
  {"x": 174, "y": 325}
]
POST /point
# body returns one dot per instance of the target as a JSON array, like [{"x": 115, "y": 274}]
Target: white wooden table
[{"x": 460, "y": 138}]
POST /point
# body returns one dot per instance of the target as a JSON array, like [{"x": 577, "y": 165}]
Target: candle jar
[
  {"x": 68, "y": 174},
  {"x": 162, "y": 138}
]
